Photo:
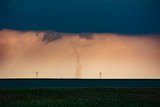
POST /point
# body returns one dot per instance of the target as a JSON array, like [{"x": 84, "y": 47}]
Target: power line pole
[
  {"x": 36, "y": 74},
  {"x": 100, "y": 74}
]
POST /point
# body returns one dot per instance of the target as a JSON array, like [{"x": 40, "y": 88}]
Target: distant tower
[
  {"x": 36, "y": 74},
  {"x": 100, "y": 74}
]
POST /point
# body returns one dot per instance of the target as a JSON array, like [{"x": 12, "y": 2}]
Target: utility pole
[
  {"x": 36, "y": 74},
  {"x": 100, "y": 74}
]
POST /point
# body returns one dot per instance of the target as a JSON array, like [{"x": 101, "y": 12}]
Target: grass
[{"x": 80, "y": 97}]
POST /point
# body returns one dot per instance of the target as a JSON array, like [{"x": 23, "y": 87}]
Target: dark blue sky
[{"x": 113, "y": 16}]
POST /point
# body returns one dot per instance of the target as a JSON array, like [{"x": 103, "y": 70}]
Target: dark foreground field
[{"x": 80, "y": 97}]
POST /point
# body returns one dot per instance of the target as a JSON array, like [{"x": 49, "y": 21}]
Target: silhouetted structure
[
  {"x": 36, "y": 74},
  {"x": 100, "y": 74}
]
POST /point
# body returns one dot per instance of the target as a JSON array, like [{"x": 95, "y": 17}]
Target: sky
[
  {"x": 76, "y": 16},
  {"x": 80, "y": 38},
  {"x": 22, "y": 54}
]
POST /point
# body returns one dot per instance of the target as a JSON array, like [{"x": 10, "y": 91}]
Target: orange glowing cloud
[{"x": 22, "y": 54}]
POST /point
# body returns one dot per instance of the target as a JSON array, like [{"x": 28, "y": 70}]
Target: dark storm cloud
[
  {"x": 112, "y": 16},
  {"x": 52, "y": 36}
]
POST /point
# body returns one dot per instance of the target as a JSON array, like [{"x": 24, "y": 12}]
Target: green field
[{"x": 80, "y": 97}]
